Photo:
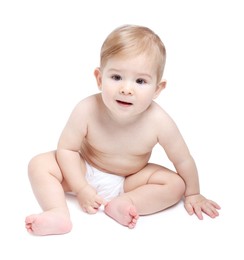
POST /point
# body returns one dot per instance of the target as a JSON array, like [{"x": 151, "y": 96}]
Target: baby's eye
[
  {"x": 140, "y": 81},
  {"x": 116, "y": 77}
]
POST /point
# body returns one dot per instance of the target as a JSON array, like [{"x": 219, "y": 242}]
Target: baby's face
[{"x": 129, "y": 84}]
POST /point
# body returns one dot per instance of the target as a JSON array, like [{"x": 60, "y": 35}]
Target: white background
[{"x": 48, "y": 51}]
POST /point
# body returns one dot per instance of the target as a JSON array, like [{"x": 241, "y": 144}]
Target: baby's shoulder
[
  {"x": 90, "y": 102},
  {"x": 161, "y": 119},
  {"x": 157, "y": 111}
]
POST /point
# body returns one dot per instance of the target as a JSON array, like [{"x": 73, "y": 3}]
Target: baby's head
[{"x": 132, "y": 40}]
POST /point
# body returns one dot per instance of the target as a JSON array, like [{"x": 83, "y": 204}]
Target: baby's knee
[
  {"x": 34, "y": 163},
  {"x": 44, "y": 163},
  {"x": 178, "y": 186}
]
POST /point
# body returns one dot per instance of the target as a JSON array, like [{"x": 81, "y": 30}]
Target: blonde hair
[{"x": 134, "y": 40}]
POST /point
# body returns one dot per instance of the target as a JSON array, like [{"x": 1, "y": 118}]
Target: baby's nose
[{"x": 126, "y": 90}]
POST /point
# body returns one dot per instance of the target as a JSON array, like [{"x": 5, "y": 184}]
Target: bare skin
[
  {"x": 123, "y": 211},
  {"x": 55, "y": 218},
  {"x": 118, "y": 138},
  {"x": 48, "y": 223}
]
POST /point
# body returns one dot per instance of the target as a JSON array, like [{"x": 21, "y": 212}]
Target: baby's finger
[
  {"x": 215, "y": 204},
  {"x": 101, "y": 201},
  {"x": 95, "y": 205},
  {"x": 91, "y": 210},
  {"x": 198, "y": 212},
  {"x": 210, "y": 210},
  {"x": 189, "y": 208}
]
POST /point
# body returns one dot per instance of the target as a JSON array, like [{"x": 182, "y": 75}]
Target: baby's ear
[
  {"x": 161, "y": 86},
  {"x": 98, "y": 76}
]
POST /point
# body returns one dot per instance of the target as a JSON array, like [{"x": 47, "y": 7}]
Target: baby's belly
[
  {"x": 119, "y": 164},
  {"x": 124, "y": 162}
]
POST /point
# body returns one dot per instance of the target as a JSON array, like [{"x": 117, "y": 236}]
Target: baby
[{"x": 104, "y": 150}]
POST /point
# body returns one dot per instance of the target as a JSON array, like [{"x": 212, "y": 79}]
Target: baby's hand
[
  {"x": 198, "y": 204},
  {"x": 89, "y": 200}
]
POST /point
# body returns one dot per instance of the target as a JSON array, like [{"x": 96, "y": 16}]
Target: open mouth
[{"x": 124, "y": 103}]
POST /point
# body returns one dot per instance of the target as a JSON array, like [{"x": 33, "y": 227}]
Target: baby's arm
[
  {"x": 177, "y": 151},
  {"x": 194, "y": 201},
  {"x": 70, "y": 162}
]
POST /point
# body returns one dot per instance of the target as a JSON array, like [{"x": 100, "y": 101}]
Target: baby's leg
[
  {"x": 154, "y": 189},
  {"x": 46, "y": 178},
  {"x": 151, "y": 190}
]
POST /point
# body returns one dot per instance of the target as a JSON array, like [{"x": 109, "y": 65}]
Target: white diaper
[{"x": 107, "y": 185}]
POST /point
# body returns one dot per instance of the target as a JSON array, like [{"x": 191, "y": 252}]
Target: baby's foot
[
  {"x": 48, "y": 223},
  {"x": 123, "y": 211}
]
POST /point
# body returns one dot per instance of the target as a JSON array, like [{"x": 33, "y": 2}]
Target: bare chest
[{"x": 131, "y": 141}]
